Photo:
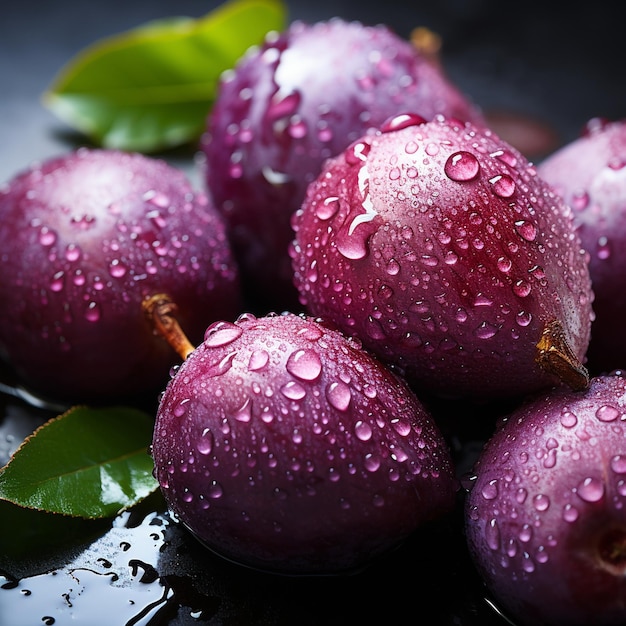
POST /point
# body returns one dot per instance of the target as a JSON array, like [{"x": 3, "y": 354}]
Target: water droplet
[
  {"x": 394, "y": 173},
  {"x": 492, "y": 534},
  {"x": 404, "y": 120},
  {"x": 47, "y": 236},
  {"x": 258, "y": 360},
  {"x": 72, "y": 252},
  {"x": 590, "y": 490},
  {"x": 244, "y": 412},
  {"x": 603, "y": 250},
  {"x": 181, "y": 407},
  {"x": 568, "y": 419},
  {"x": 482, "y": 300},
  {"x": 57, "y": 282},
  {"x": 205, "y": 442},
  {"x": 486, "y": 330},
  {"x": 215, "y": 490},
  {"x": 525, "y": 533},
  {"x": 117, "y": 269},
  {"x": 411, "y": 147},
  {"x": 607, "y": 413},
  {"x": 372, "y": 462},
  {"x": 401, "y": 426},
  {"x": 392, "y": 267},
  {"x": 92, "y": 312},
  {"x": 293, "y": 390},
  {"x": 221, "y": 367},
  {"x": 221, "y": 333},
  {"x": 503, "y": 185},
  {"x": 461, "y": 166},
  {"x": 304, "y": 364},
  {"x": 297, "y": 128},
  {"x": 490, "y": 490},
  {"x": 522, "y": 288},
  {"x": 339, "y": 395},
  {"x": 283, "y": 104},
  {"x": 570, "y": 513},
  {"x": 157, "y": 198},
  {"x": 326, "y": 209},
  {"x": 357, "y": 152},
  {"x": 432, "y": 149},
  {"x": 310, "y": 332},
  {"x": 541, "y": 502},
  {"x": 526, "y": 230},
  {"x": 579, "y": 200},
  {"x": 506, "y": 156},
  {"x": 351, "y": 246},
  {"x": 374, "y": 329},
  {"x": 363, "y": 430},
  {"x": 504, "y": 264},
  {"x": 618, "y": 464}
]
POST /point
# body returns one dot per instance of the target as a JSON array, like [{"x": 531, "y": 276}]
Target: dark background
[{"x": 556, "y": 63}]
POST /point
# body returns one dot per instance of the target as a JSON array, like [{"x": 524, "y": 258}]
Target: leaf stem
[{"x": 161, "y": 311}]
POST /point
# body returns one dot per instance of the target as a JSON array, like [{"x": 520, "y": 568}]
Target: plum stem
[
  {"x": 427, "y": 43},
  {"x": 161, "y": 311},
  {"x": 555, "y": 356}
]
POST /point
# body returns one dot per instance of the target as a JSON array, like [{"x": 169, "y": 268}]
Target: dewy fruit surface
[
  {"x": 84, "y": 238},
  {"x": 284, "y": 446},
  {"x": 301, "y": 97},
  {"x": 437, "y": 244},
  {"x": 546, "y": 511},
  {"x": 590, "y": 174}
]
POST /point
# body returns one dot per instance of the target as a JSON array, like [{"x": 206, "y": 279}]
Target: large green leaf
[
  {"x": 88, "y": 462},
  {"x": 152, "y": 88}
]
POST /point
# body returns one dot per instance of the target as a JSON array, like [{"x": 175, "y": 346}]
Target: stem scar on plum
[
  {"x": 555, "y": 356},
  {"x": 161, "y": 310}
]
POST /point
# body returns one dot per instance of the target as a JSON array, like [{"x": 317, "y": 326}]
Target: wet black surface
[{"x": 558, "y": 65}]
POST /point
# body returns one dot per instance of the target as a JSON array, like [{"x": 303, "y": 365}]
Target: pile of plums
[{"x": 365, "y": 242}]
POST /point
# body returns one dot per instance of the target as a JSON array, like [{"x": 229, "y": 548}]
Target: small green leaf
[
  {"x": 152, "y": 88},
  {"x": 88, "y": 462}
]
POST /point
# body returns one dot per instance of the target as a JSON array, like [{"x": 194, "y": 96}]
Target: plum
[
  {"x": 284, "y": 446},
  {"x": 300, "y": 97},
  {"x": 545, "y": 515},
  {"x": 85, "y": 237},
  {"x": 436, "y": 244},
  {"x": 590, "y": 174}
]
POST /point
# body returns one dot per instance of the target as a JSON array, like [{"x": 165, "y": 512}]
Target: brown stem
[
  {"x": 555, "y": 356},
  {"x": 161, "y": 312},
  {"x": 427, "y": 43}
]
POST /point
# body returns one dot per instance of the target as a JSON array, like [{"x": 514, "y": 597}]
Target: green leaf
[
  {"x": 152, "y": 88},
  {"x": 88, "y": 462}
]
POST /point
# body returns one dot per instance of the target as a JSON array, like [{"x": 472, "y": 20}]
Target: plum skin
[
  {"x": 546, "y": 511},
  {"x": 589, "y": 174},
  {"x": 315, "y": 472},
  {"x": 299, "y": 98},
  {"x": 84, "y": 238},
  {"x": 451, "y": 276}
]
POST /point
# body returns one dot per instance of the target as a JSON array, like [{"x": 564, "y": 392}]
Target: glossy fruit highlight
[
  {"x": 284, "y": 446},
  {"x": 301, "y": 97},
  {"x": 439, "y": 247},
  {"x": 546, "y": 510},
  {"x": 84, "y": 238}
]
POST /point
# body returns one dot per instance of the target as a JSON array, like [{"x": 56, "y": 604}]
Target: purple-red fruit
[
  {"x": 282, "y": 445},
  {"x": 84, "y": 239},
  {"x": 300, "y": 97},
  {"x": 590, "y": 174},
  {"x": 546, "y": 511},
  {"x": 439, "y": 247}
]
